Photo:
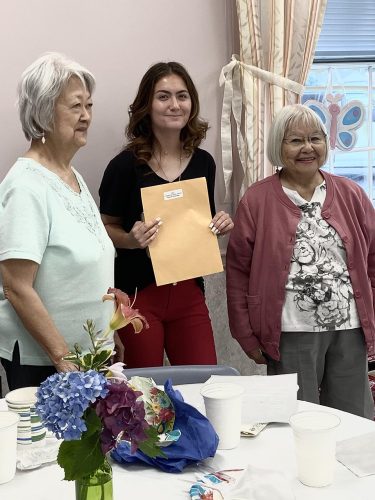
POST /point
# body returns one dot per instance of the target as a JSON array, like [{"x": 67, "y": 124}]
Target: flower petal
[
  {"x": 116, "y": 370},
  {"x": 107, "y": 297},
  {"x": 124, "y": 313},
  {"x": 138, "y": 324}
]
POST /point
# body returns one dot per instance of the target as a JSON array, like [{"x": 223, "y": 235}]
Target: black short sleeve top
[{"x": 120, "y": 196}]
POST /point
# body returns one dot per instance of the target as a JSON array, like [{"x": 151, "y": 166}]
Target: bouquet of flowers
[{"x": 95, "y": 407}]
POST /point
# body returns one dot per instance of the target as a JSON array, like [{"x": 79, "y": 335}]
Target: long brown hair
[{"x": 139, "y": 130}]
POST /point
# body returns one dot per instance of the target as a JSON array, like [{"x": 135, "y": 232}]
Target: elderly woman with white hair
[
  {"x": 56, "y": 259},
  {"x": 301, "y": 269}
]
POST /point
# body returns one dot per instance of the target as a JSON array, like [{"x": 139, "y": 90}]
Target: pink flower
[{"x": 124, "y": 313}]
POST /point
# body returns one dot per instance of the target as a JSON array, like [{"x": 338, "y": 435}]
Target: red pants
[{"x": 179, "y": 323}]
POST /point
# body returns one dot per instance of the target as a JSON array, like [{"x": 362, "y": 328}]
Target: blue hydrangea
[{"x": 63, "y": 398}]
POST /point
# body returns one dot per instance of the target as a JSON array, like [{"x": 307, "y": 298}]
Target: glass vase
[{"x": 96, "y": 486}]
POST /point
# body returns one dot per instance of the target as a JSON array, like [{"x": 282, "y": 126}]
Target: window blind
[{"x": 348, "y": 32}]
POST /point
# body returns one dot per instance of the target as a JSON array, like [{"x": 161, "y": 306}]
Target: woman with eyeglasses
[{"x": 301, "y": 269}]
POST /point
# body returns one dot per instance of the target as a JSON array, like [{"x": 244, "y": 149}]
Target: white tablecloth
[{"x": 273, "y": 449}]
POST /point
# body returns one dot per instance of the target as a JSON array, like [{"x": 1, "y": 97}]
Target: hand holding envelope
[{"x": 185, "y": 247}]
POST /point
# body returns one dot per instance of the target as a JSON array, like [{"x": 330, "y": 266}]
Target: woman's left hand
[{"x": 221, "y": 223}]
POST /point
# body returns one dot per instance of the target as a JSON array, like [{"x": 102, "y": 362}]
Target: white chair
[{"x": 181, "y": 374}]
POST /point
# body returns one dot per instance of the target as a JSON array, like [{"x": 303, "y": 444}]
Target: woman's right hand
[
  {"x": 65, "y": 366},
  {"x": 257, "y": 356},
  {"x": 143, "y": 233}
]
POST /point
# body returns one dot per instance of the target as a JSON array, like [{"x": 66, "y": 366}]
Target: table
[{"x": 273, "y": 448}]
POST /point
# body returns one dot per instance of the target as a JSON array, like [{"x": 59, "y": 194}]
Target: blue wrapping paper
[{"x": 198, "y": 439}]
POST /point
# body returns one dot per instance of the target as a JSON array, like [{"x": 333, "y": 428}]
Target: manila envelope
[{"x": 185, "y": 247}]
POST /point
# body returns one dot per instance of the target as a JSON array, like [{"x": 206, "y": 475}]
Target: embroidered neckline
[{"x": 80, "y": 205}]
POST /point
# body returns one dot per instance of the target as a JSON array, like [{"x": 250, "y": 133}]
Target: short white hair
[
  {"x": 287, "y": 117},
  {"x": 41, "y": 84}
]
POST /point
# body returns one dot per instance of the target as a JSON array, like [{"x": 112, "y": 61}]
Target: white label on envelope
[{"x": 172, "y": 195}]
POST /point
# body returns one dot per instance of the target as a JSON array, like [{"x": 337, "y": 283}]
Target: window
[
  {"x": 354, "y": 82},
  {"x": 343, "y": 72}
]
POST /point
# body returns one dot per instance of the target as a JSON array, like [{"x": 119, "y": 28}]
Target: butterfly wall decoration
[{"x": 341, "y": 122}]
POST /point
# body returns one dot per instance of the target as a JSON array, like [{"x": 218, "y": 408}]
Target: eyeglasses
[{"x": 299, "y": 142}]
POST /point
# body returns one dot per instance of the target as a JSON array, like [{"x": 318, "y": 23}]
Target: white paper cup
[
  {"x": 30, "y": 430},
  {"x": 315, "y": 442},
  {"x": 223, "y": 403},
  {"x": 8, "y": 446}
]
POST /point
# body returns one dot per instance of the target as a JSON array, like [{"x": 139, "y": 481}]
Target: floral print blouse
[{"x": 319, "y": 294}]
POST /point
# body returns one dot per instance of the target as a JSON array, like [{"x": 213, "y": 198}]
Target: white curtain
[{"x": 277, "y": 44}]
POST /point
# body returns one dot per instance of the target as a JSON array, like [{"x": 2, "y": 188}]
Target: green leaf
[
  {"x": 149, "y": 447},
  {"x": 70, "y": 357},
  {"x": 93, "y": 422},
  {"x": 77, "y": 348},
  {"x": 81, "y": 457},
  {"x": 87, "y": 360},
  {"x": 101, "y": 357}
]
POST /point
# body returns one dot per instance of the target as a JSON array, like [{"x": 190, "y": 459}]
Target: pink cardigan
[{"x": 260, "y": 250}]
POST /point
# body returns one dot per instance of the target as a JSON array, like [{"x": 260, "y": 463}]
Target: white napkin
[
  {"x": 261, "y": 484},
  {"x": 31, "y": 458},
  {"x": 251, "y": 483},
  {"x": 358, "y": 454}
]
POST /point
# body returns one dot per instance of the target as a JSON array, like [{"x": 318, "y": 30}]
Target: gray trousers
[{"x": 331, "y": 368}]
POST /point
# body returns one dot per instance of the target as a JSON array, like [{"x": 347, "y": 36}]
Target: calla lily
[{"x": 124, "y": 313}]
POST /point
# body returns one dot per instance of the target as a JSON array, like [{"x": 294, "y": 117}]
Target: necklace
[{"x": 158, "y": 161}]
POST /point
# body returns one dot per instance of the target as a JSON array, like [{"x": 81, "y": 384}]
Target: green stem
[{"x": 106, "y": 333}]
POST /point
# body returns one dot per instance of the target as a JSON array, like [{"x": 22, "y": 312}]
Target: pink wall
[{"x": 117, "y": 40}]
